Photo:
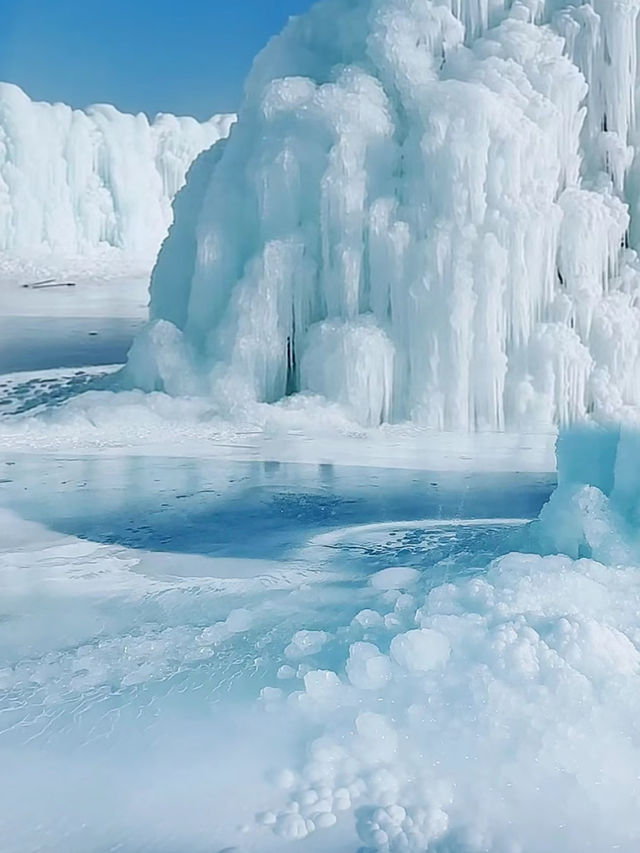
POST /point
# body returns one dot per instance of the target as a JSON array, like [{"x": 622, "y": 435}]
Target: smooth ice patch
[{"x": 397, "y": 577}]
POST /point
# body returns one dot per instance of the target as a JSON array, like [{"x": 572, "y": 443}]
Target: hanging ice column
[{"x": 420, "y": 214}]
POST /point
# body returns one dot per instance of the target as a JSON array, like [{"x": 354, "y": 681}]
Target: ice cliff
[
  {"x": 73, "y": 182},
  {"x": 427, "y": 211}
]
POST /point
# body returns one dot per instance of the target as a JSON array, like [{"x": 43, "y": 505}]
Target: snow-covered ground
[{"x": 95, "y": 293}]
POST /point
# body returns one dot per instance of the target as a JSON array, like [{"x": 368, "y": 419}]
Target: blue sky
[{"x": 182, "y": 56}]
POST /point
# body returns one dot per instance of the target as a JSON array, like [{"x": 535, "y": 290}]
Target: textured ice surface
[
  {"x": 199, "y": 656},
  {"x": 156, "y": 424},
  {"x": 73, "y": 182},
  {"x": 167, "y": 607},
  {"x": 496, "y": 712},
  {"x": 426, "y": 212}
]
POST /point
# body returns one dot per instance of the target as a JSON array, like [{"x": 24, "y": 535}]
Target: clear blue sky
[{"x": 186, "y": 57}]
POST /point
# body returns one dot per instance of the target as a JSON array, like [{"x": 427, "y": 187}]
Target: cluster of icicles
[
  {"x": 73, "y": 182},
  {"x": 427, "y": 211}
]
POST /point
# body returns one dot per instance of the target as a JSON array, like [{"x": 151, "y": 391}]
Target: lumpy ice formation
[
  {"x": 427, "y": 211},
  {"x": 496, "y": 712},
  {"x": 73, "y": 182}
]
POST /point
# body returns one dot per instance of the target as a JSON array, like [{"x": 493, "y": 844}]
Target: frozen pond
[
  {"x": 42, "y": 343},
  {"x": 92, "y": 323},
  {"x": 252, "y": 510},
  {"x": 146, "y": 602}
]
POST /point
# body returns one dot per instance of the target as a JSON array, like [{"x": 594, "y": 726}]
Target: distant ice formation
[
  {"x": 73, "y": 182},
  {"x": 427, "y": 211}
]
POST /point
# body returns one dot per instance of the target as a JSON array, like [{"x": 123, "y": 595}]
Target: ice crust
[
  {"x": 496, "y": 712},
  {"x": 425, "y": 212},
  {"x": 73, "y": 182}
]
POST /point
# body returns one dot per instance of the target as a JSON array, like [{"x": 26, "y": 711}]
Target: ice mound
[
  {"x": 426, "y": 212},
  {"x": 497, "y": 712},
  {"x": 73, "y": 182}
]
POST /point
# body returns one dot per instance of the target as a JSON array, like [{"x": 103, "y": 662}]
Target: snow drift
[
  {"x": 426, "y": 212},
  {"x": 73, "y": 182}
]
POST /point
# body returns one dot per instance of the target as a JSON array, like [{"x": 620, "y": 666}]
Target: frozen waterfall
[
  {"x": 72, "y": 182},
  {"x": 427, "y": 210}
]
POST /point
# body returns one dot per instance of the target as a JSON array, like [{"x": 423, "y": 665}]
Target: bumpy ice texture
[
  {"x": 425, "y": 212},
  {"x": 72, "y": 182},
  {"x": 497, "y": 712}
]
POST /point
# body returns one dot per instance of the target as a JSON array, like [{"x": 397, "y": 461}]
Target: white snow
[
  {"x": 75, "y": 183},
  {"x": 422, "y": 214}
]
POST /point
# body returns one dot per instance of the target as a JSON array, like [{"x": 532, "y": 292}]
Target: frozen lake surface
[
  {"x": 43, "y": 343},
  {"x": 91, "y": 323},
  {"x": 147, "y": 602},
  {"x": 221, "y": 508}
]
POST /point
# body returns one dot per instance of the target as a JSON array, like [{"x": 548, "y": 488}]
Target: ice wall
[
  {"x": 427, "y": 211},
  {"x": 72, "y": 182}
]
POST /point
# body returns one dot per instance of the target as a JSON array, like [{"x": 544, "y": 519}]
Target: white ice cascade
[
  {"x": 72, "y": 182},
  {"x": 423, "y": 213}
]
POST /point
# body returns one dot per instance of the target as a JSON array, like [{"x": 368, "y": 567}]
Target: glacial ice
[
  {"x": 74, "y": 182},
  {"x": 427, "y": 211}
]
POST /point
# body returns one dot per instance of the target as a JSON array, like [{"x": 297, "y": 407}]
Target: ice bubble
[
  {"x": 369, "y": 619},
  {"x": 420, "y": 650},
  {"x": 323, "y": 686},
  {"x": 305, "y": 643},
  {"x": 325, "y": 821},
  {"x": 239, "y": 620},
  {"x": 286, "y": 673},
  {"x": 367, "y": 668},
  {"x": 292, "y": 827}
]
